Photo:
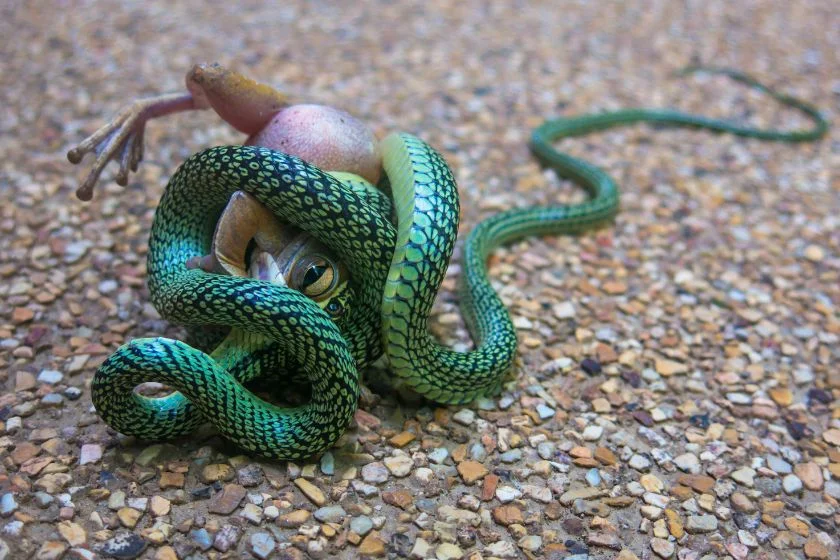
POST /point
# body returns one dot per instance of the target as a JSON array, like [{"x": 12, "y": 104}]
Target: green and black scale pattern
[{"x": 396, "y": 272}]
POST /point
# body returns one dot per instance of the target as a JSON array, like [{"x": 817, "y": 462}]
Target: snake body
[{"x": 397, "y": 259}]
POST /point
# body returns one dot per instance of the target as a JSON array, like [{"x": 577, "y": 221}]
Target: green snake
[{"x": 396, "y": 250}]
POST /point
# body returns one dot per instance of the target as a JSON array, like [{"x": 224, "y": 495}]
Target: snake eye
[{"x": 315, "y": 275}]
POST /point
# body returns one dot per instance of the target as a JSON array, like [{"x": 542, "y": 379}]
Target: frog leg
[{"x": 244, "y": 103}]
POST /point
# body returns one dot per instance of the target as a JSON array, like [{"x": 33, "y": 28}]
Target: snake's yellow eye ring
[{"x": 314, "y": 275}]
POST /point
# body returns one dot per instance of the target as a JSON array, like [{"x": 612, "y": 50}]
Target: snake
[{"x": 396, "y": 240}]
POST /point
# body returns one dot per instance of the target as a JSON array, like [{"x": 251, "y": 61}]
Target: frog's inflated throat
[{"x": 396, "y": 260}]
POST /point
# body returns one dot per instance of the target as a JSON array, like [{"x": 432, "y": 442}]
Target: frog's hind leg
[
  {"x": 245, "y": 104},
  {"x": 121, "y": 138}
]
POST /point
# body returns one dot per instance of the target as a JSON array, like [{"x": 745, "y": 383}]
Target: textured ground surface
[{"x": 711, "y": 428}]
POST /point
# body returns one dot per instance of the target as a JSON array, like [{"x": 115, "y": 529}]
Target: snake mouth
[{"x": 249, "y": 241}]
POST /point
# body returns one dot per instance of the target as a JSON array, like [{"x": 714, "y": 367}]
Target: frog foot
[{"x": 121, "y": 139}]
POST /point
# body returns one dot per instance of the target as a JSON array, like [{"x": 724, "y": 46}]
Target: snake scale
[{"x": 397, "y": 260}]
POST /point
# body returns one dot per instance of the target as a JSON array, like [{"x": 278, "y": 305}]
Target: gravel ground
[{"x": 676, "y": 394}]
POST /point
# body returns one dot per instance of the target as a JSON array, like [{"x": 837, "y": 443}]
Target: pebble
[
  {"x": 330, "y": 514},
  {"x": 662, "y": 547},
  {"x": 507, "y": 494},
  {"x": 311, "y": 491},
  {"x": 361, "y": 525},
  {"x": 448, "y": 551},
  {"x": 810, "y": 474},
  {"x": 399, "y": 466},
  {"x": 262, "y": 545},
  {"x": 91, "y": 453},
  {"x": 464, "y": 416},
  {"x": 50, "y": 376},
  {"x": 503, "y": 549},
  {"x": 592, "y": 433},
  {"x": 8, "y": 504},
  {"x": 124, "y": 545},
  {"x": 472, "y": 471},
  {"x": 226, "y": 501},
  {"x": 375, "y": 473},
  {"x": 701, "y": 524},
  {"x": 792, "y": 484},
  {"x": 438, "y": 455}
]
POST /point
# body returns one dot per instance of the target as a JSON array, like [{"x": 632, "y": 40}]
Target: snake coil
[{"x": 396, "y": 271}]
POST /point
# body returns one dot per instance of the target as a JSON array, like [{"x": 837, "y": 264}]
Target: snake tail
[{"x": 426, "y": 204}]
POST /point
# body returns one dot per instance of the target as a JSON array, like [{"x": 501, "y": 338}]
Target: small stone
[
  {"x": 124, "y": 545},
  {"x": 742, "y": 503},
  {"x": 226, "y": 501},
  {"x": 604, "y": 539},
  {"x": 50, "y": 376},
  {"x": 171, "y": 480},
  {"x": 226, "y": 538},
  {"x": 253, "y": 513},
  {"x": 51, "y": 550},
  {"x": 400, "y": 498},
  {"x": 590, "y": 366},
  {"x": 701, "y": 524},
  {"x": 399, "y": 466},
  {"x": 438, "y": 455},
  {"x": 372, "y": 545},
  {"x": 361, "y": 525},
  {"x": 327, "y": 464},
  {"x": 90, "y": 453},
  {"x": 293, "y": 519},
  {"x": 8, "y": 504},
  {"x": 159, "y": 506},
  {"x": 72, "y": 533},
  {"x": 471, "y": 471},
  {"x": 810, "y": 474},
  {"x": 262, "y": 545},
  {"x": 814, "y": 253},
  {"x": 311, "y": 491},
  {"x": 605, "y": 456},
  {"x": 639, "y": 462},
  {"x": 592, "y": 433},
  {"x": 797, "y": 526},
  {"x": 815, "y": 549},
  {"x": 464, "y": 416},
  {"x": 330, "y": 514},
  {"x": 652, "y": 483},
  {"x": 375, "y": 473},
  {"x": 507, "y": 515},
  {"x": 531, "y": 543},
  {"x": 744, "y": 476},
  {"x": 781, "y": 396},
  {"x": 505, "y": 549},
  {"x": 448, "y": 551},
  {"x": 507, "y": 494},
  {"x": 201, "y": 538},
  {"x": 688, "y": 462},
  {"x": 667, "y": 368},
  {"x": 129, "y": 517},
  {"x": 217, "y": 473},
  {"x": 832, "y": 437},
  {"x": 421, "y": 549},
  {"x": 402, "y": 439},
  {"x": 249, "y": 476},
  {"x": 792, "y": 484},
  {"x": 662, "y": 547},
  {"x": 779, "y": 465}
]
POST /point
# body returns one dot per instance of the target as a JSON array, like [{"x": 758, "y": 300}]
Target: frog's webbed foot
[{"x": 121, "y": 139}]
